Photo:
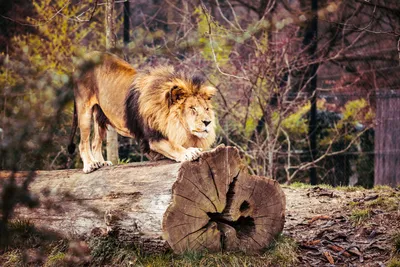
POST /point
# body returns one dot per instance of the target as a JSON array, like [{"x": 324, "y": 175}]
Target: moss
[
  {"x": 55, "y": 260},
  {"x": 353, "y": 204},
  {"x": 11, "y": 258},
  {"x": 394, "y": 262},
  {"x": 360, "y": 215},
  {"x": 300, "y": 185},
  {"x": 382, "y": 188},
  {"x": 384, "y": 202},
  {"x": 396, "y": 243}
]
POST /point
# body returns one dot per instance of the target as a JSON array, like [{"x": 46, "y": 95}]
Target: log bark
[{"x": 211, "y": 204}]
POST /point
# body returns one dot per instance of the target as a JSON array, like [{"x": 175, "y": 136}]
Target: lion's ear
[
  {"x": 208, "y": 92},
  {"x": 174, "y": 94}
]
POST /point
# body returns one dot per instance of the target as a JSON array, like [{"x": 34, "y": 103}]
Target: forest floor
[{"x": 345, "y": 226}]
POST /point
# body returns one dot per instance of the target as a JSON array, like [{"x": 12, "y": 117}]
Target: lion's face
[{"x": 198, "y": 116}]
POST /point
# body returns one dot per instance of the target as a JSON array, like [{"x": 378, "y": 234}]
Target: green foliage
[
  {"x": 12, "y": 258},
  {"x": 296, "y": 123},
  {"x": 55, "y": 260},
  {"x": 387, "y": 203},
  {"x": 396, "y": 243},
  {"x": 218, "y": 44},
  {"x": 360, "y": 215},
  {"x": 36, "y": 84},
  {"x": 108, "y": 249},
  {"x": 394, "y": 262}
]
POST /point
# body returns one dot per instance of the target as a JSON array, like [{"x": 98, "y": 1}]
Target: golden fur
[
  {"x": 154, "y": 86},
  {"x": 170, "y": 111}
]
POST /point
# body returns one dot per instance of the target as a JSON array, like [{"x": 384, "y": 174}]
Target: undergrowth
[{"x": 108, "y": 251}]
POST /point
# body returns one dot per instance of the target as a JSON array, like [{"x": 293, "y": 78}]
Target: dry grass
[
  {"x": 360, "y": 215},
  {"x": 107, "y": 251}
]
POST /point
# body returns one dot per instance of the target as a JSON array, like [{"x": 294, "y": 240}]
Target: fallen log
[{"x": 210, "y": 204}]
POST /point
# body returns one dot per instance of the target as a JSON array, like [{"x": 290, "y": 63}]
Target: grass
[
  {"x": 384, "y": 202},
  {"x": 396, "y": 243},
  {"x": 55, "y": 260},
  {"x": 299, "y": 185},
  {"x": 107, "y": 250},
  {"x": 394, "y": 262},
  {"x": 382, "y": 188},
  {"x": 11, "y": 258},
  {"x": 360, "y": 215},
  {"x": 350, "y": 188},
  {"x": 23, "y": 235}
]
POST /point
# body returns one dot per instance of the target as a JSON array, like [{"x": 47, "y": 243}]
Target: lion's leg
[
  {"x": 174, "y": 151},
  {"x": 84, "y": 120},
  {"x": 99, "y": 134}
]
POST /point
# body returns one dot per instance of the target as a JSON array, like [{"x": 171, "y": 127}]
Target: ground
[{"x": 346, "y": 226}]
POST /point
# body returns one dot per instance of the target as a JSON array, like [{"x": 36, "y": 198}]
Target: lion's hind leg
[
  {"x": 100, "y": 127},
  {"x": 85, "y": 120}
]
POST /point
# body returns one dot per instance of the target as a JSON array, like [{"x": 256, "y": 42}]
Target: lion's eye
[
  {"x": 207, "y": 109},
  {"x": 193, "y": 109}
]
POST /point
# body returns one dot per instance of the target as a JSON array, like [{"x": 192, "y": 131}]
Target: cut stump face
[{"x": 217, "y": 206}]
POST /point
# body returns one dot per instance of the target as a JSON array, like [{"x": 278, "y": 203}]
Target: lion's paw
[
  {"x": 87, "y": 168},
  {"x": 192, "y": 153},
  {"x": 106, "y": 163}
]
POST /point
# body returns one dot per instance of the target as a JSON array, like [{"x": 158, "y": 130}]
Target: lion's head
[
  {"x": 177, "y": 105},
  {"x": 198, "y": 116}
]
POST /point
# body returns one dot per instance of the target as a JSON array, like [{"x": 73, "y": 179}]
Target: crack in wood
[
  {"x": 245, "y": 213},
  {"x": 202, "y": 228},
  {"x": 213, "y": 178},
  {"x": 215, "y": 208},
  {"x": 197, "y": 204},
  {"x": 244, "y": 226}
]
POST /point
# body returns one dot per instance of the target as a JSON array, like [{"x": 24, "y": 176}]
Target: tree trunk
[
  {"x": 112, "y": 136},
  {"x": 218, "y": 206},
  {"x": 387, "y": 138},
  {"x": 311, "y": 39},
  {"x": 127, "y": 15},
  {"x": 214, "y": 204}
]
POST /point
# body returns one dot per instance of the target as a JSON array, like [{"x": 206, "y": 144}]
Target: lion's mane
[{"x": 149, "y": 113}]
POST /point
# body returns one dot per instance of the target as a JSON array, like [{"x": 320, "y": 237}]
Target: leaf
[
  {"x": 319, "y": 217},
  {"x": 329, "y": 257}
]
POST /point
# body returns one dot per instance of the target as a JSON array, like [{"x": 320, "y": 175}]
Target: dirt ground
[{"x": 345, "y": 227}]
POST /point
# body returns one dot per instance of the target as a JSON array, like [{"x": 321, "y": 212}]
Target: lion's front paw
[
  {"x": 87, "y": 168},
  {"x": 191, "y": 153},
  {"x": 106, "y": 163}
]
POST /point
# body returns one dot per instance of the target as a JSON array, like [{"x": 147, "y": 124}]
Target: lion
[{"x": 169, "y": 111}]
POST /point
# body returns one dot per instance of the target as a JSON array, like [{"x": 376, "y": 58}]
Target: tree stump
[
  {"x": 217, "y": 206},
  {"x": 210, "y": 204}
]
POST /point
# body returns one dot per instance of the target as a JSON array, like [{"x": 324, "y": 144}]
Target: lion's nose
[{"x": 206, "y": 122}]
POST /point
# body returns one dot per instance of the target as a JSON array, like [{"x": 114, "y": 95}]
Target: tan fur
[
  {"x": 169, "y": 103},
  {"x": 171, "y": 120}
]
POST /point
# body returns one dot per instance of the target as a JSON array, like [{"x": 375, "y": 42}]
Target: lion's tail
[{"x": 72, "y": 146}]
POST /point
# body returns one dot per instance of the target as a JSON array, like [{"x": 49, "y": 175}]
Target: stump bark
[{"x": 210, "y": 204}]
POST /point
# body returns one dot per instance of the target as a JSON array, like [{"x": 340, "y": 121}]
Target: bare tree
[{"x": 112, "y": 136}]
